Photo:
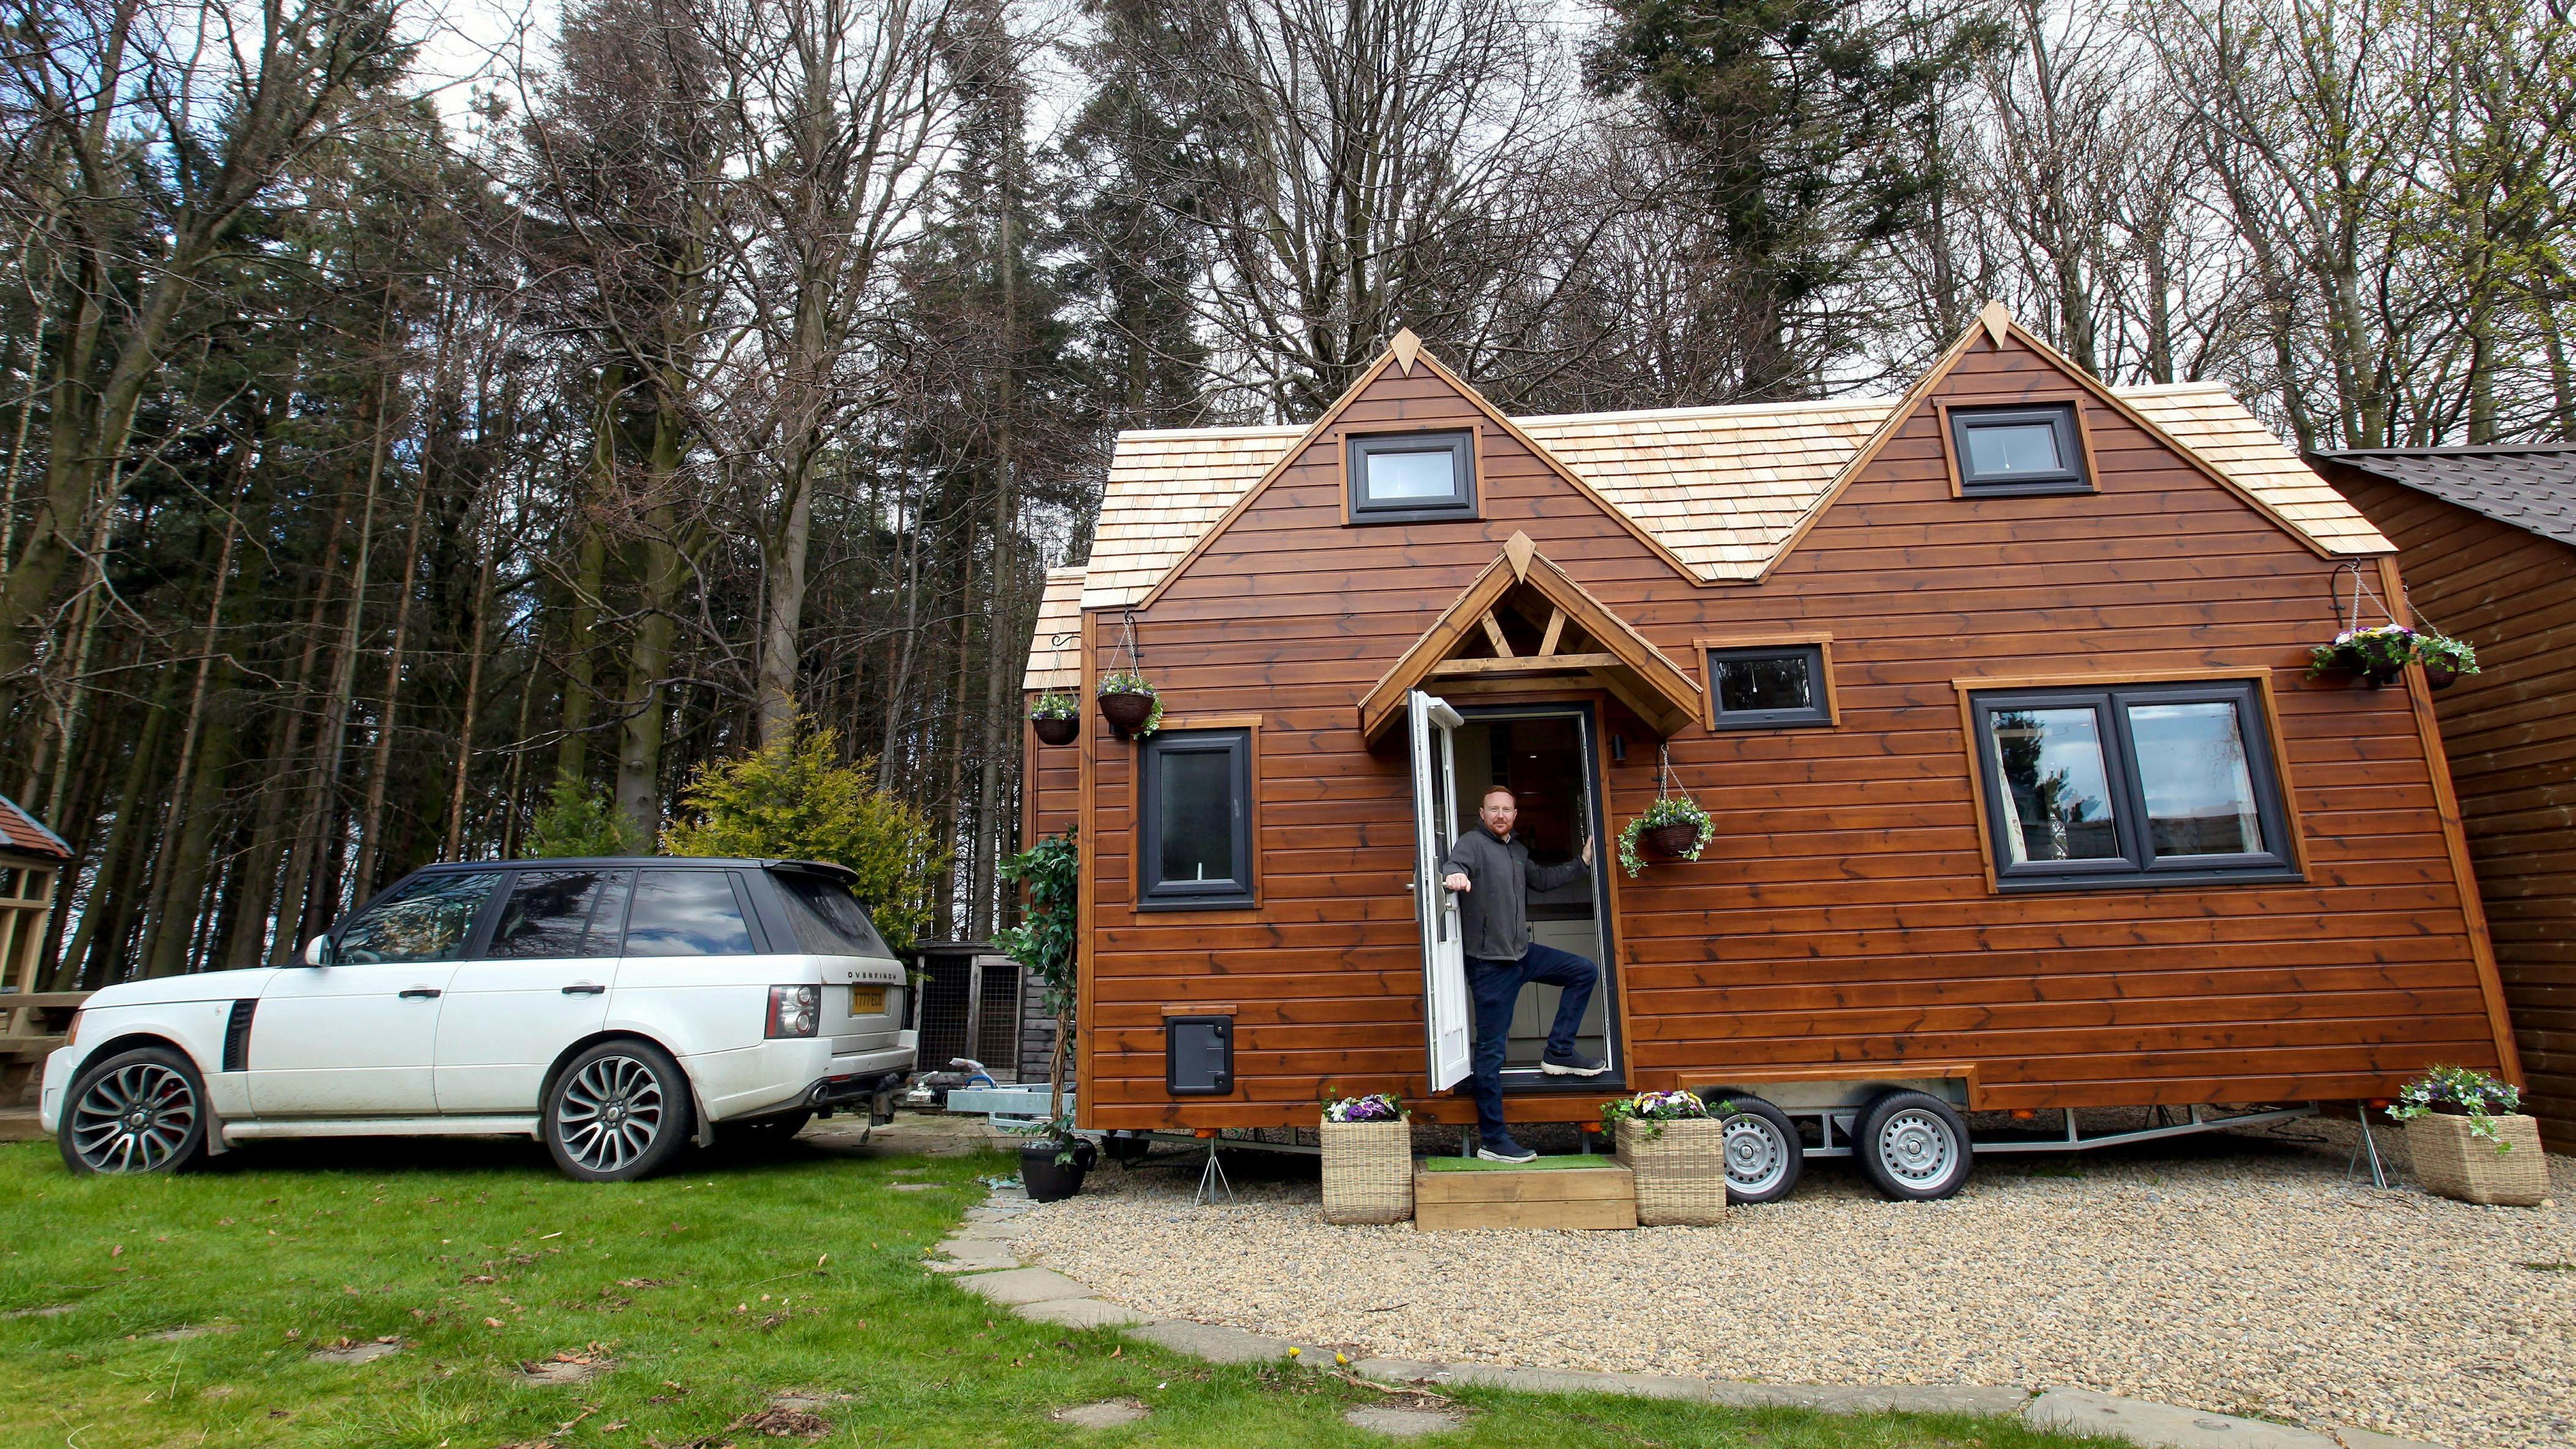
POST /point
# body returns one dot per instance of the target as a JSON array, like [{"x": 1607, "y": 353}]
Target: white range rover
[{"x": 616, "y": 1009}]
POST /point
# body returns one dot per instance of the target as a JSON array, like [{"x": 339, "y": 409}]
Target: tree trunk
[
  {"x": 648, "y": 655},
  {"x": 380, "y": 770}
]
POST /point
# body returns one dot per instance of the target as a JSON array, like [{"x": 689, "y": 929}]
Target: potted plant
[
  {"x": 2469, "y": 1140},
  {"x": 1052, "y": 1164},
  {"x": 2377, "y": 654},
  {"x": 1676, "y": 1147},
  {"x": 1673, "y": 828},
  {"x": 1128, "y": 701},
  {"x": 1057, "y": 718},
  {"x": 1368, "y": 1160},
  {"x": 2444, "y": 658}
]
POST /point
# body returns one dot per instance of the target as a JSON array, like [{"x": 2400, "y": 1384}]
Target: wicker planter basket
[
  {"x": 1056, "y": 731},
  {"x": 1681, "y": 1171},
  {"x": 1669, "y": 841},
  {"x": 2453, "y": 1164},
  {"x": 1368, "y": 1172},
  {"x": 1125, "y": 711}
]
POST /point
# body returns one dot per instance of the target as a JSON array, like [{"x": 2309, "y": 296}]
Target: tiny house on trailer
[{"x": 1995, "y": 694}]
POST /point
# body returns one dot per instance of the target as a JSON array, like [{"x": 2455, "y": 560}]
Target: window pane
[
  {"x": 2005, "y": 448},
  {"x": 2057, "y": 794},
  {"x": 1197, "y": 816},
  {"x": 2200, "y": 792},
  {"x": 1430, "y": 474},
  {"x": 1780, "y": 682},
  {"x": 552, "y": 914},
  {"x": 425, "y": 920},
  {"x": 829, "y": 920},
  {"x": 686, "y": 913}
]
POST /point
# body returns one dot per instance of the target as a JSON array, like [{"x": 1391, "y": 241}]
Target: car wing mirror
[{"x": 317, "y": 952}]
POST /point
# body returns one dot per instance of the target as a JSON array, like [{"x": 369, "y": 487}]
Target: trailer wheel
[
  {"x": 1763, "y": 1153},
  {"x": 1913, "y": 1147}
]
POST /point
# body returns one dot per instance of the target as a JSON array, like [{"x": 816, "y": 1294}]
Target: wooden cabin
[
  {"x": 1995, "y": 692},
  {"x": 33, "y": 860},
  {"x": 2487, "y": 536}
]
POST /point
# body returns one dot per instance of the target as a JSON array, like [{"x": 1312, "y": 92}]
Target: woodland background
[{"x": 382, "y": 449}]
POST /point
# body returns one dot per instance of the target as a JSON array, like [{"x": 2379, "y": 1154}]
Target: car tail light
[{"x": 795, "y": 1010}]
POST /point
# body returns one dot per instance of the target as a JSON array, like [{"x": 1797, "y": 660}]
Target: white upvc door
[{"x": 1448, "y": 1013}]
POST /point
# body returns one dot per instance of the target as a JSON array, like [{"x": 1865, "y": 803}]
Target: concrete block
[
  {"x": 1083, "y": 1313},
  {"x": 1024, "y": 1285},
  {"x": 2162, "y": 1426},
  {"x": 1216, "y": 1345}
]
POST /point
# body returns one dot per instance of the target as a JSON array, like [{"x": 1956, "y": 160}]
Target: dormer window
[
  {"x": 1406, "y": 477},
  {"x": 2018, "y": 450}
]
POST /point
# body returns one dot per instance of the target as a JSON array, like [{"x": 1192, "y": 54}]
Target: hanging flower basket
[
  {"x": 1129, "y": 703},
  {"x": 1057, "y": 718},
  {"x": 1673, "y": 828},
  {"x": 2444, "y": 658}
]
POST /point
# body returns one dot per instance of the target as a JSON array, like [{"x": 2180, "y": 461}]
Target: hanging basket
[
  {"x": 1670, "y": 842},
  {"x": 1125, "y": 710},
  {"x": 1057, "y": 730},
  {"x": 2440, "y": 676}
]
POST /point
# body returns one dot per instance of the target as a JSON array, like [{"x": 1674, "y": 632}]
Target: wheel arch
[
  {"x": 135, "y": 1040},
  {"x": 703, "y": 1132}
]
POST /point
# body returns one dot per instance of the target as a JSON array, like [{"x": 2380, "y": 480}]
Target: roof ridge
[{"x": 34, "y": 824}]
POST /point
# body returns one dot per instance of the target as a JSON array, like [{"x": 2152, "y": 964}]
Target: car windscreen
[{"x": 829, "y": 920}]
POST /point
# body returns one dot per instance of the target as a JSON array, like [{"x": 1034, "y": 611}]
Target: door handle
[
  {"x": 421, "y": 993},
  {"x": 584, "y": 988}
]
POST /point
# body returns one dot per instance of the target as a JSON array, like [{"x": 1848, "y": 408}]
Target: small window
[
  {"x": 1196, "y": 846},
  {"x": 1402, "y": 477},
  {"x": 828, "y": 919},
  {"x": 2018, "y": 450},
  {"x": 686, "y": 913},
  {"x": 560, "y": 914},
  {"x": 2134, "y": 786},
  {"x": 426, "y": 918},
  {"x": 1767, "y": 688}
]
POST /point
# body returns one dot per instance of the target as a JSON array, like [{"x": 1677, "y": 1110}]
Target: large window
[
  {"x": 1195, "y": 848},
  {"x": 1768, "y": 686},
  {"x": 2011, "y": 450},
  {"x": 2138, "y": 785},
  {"x": 1402, "y": 477},
  {"x": 686, "y": 913}
]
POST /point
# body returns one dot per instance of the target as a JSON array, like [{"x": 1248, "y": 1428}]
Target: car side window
[
  {"x": 686, "y": 913},
  {"x": 555, "y": 914},
  {"x": 425, "y": 919}
]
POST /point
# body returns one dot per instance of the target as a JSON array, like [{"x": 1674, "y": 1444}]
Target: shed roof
[
  {"x": 26, "y": 835},
  {"x": 1055, "y": 640},
  {"x": 2530, "y": 486}
]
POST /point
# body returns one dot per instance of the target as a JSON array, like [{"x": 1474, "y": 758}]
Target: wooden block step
[{"x": 1571, "y": 1197}]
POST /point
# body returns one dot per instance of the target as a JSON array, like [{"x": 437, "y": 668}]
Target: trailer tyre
[
  {"x": 1763, "y": 1153},
  {"x": 1913, "y": 1147}
]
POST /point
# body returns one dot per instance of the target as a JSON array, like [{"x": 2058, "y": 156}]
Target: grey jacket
[{"x": 1494, "y": 917}]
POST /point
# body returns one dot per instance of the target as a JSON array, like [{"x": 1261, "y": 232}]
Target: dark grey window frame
[
  {"x": 1821, "y": 712},
  {"x": 1461, "y": 504},
  {"x": 1156, "y": 894},
  {"x": 2137, "y": 866},
  {"x": 2060, "y": 416}
]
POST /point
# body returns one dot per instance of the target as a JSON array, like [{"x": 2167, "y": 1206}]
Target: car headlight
[
  {"x": 71, "y": 1033},
  {"x": 795, "y": 1010}
]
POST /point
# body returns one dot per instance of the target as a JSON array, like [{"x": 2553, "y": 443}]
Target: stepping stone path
[
  {"x": 189, "y": 1330},
  {"x": 50, "y": 1310},
  {"x": 1107, "y": 1414},
  {"x": 917, "y": 1186},
  {"x": 1400, "y": 1423},
  {"x": 360, "y": 1352},
  {"x": 565, "y": 1368}
]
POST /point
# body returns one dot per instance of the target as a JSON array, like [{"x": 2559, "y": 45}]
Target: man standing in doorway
[{"x": 1491, "y": 872}]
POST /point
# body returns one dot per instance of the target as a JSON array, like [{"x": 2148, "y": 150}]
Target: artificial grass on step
[
  {"x": 186, "y": 1311},
  {"x": 1541, "y": 1164}
]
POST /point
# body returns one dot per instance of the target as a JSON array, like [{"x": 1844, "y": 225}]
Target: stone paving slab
[
  {"x": 2372, "y": 1439},
  {"x": 2081, "y": 1411},
  {"x": 971, "y": 1256},
  {"x": 1083, "y": 1313},
  {"x": 1216, "y": 1345},
  {"x": 1874, "y": 1398},
  {"x": 1024, "y": 1285}
]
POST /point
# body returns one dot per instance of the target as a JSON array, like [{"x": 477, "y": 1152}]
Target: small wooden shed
[
  {"x": 1995, "y": 690},
  {"x": 2487, "y": 536},
  {"x": 32, "y": 860}
]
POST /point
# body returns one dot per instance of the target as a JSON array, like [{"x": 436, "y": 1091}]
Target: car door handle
[
  {"x": 584, "y": 988},
  {"x": 422, "y": 993}
]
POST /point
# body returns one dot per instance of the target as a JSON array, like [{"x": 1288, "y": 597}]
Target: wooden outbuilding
[
  {"x": 2487, "y": 536},
  {"x": 1995, "y": 692},
  {"x": 32, "y": 861}
]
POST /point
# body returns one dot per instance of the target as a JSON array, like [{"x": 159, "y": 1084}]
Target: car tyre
[
  {"x": 618, "y": 1111},
  {"x": 1912, "y": 1147},
  {"x": 1763, "y": 1153},
  {"x": 136, "y": 1112}
]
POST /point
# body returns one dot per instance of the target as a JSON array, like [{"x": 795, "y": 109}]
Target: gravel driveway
[{"x": 2238, "y": 1272}]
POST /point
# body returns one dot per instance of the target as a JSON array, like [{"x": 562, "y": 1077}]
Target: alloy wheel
[
  {"x": 610, "y": 1113},
  {"x": 137, "y": 1118}
]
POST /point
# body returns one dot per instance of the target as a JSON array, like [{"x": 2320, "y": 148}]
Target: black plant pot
[
  {"x": 1669, "y": 841},
  {"x": 2440, "y": 676},
  {"x": 1048, "y": 1180},
  {"x": 1125, "y": 711},
  {"x": 1056, "y": 731}
]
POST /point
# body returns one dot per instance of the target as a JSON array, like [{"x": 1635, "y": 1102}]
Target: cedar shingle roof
[
  {"x": 1722, "y": 487},
  {"x": 1055, "y": 642},
  {"x": 25, "y": 834},
  {"x": 2531, "y": 487}
]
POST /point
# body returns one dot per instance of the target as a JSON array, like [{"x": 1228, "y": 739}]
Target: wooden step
[{"x": 1558, "y": 1197}]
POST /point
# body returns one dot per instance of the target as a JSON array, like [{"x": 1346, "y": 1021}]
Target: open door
[{"x": 1447, "y": 1012}]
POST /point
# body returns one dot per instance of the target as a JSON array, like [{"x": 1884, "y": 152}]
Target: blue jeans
[{"x": 1497, "y": 988}]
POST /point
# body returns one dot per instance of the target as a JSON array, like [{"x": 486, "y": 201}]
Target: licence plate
[{"x": 867, "y": 1001}]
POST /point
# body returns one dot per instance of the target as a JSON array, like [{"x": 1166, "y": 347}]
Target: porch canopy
[{"x": 1522, "y": 622}]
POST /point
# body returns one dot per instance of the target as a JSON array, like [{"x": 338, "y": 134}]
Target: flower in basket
[
  {"x": 2382, "y": 650},
  {"x": 1375, "y": 1107},
  {"x": 2458, "y": 1091},
  {"x": 1653, "y": 1107},
  {"x": 1668, "y": 810},
  {"x": 2441, "y": 651},
  {"x": 1129, "y": 681},
  {"x": 1055, "y": 704}
]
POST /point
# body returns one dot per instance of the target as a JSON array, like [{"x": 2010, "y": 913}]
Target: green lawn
[{"x": 709, "y": 1292}]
